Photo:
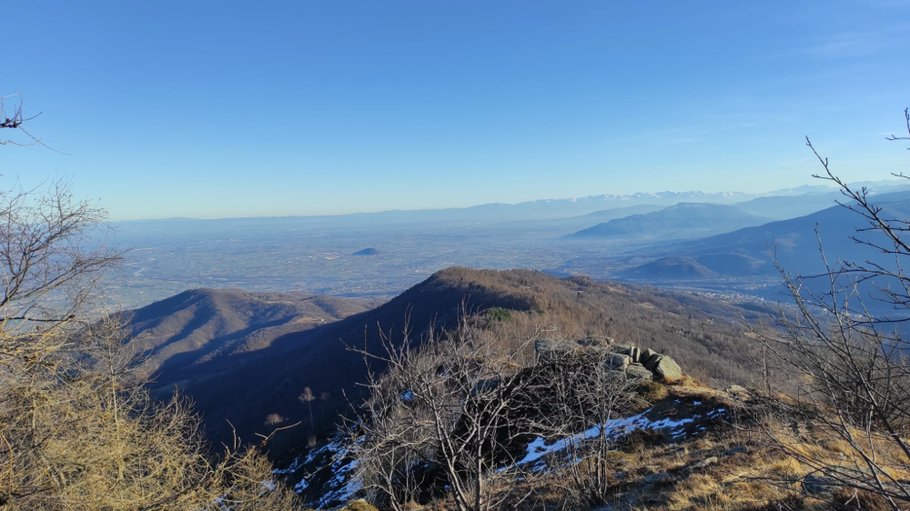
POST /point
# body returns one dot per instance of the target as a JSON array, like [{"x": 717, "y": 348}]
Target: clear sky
[{"x": 215, "y": 109}]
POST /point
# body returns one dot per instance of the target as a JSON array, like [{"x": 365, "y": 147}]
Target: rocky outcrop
[
  {"x": 646, "y": 354},
  {"x": 667, "y": 369},
  {"x": 625, "y": 349},
  {"x": 617, "y": 361},
  {"x": 548, "y": 350},
  {"x": 638, "y": 372},
  {"x": 661, "y": 366},
  {"x": 651, "y": 362},
  {"x": 626, "y": 357}
]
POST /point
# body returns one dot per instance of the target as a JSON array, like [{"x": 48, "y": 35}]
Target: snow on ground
[
  {"x": 613, "y": 429},
  {"x": 298, "y": 462},
  {"x": 343, "y": 482},
  {"x": 341, "y": 486}
]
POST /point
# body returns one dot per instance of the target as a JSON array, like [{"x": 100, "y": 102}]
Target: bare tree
[
  {"x": 78, "y": 429},
  {"x": 846, "y": 355},
  {"x": 308, "y": 397},
  {"x": 582, "y": 395},
  {"x": 441, "y": 416},
  {"x": 47, "y": 269},
  {"x": 13, "y": 118}
]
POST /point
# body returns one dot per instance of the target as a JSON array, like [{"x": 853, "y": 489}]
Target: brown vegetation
[
  {"x": 441, "y": 416},
  {"x": 848, "y": 384},
  {"x": 78, "y": 431}
]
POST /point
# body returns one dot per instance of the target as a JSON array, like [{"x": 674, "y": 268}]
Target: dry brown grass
[
  {"x": 749, "y": 475},
  {"x": 82, "y": 434}
]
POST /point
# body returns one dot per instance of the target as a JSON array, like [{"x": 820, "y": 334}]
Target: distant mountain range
[
  {"x": 574, "y": 223},
  {"x": 817, "y": 195},
  {"x": 684, "y": 220},
  {"x": 546, "y": 208},
  {"x": 781, "y": 207},
  {"x": 796, "y": 243}
]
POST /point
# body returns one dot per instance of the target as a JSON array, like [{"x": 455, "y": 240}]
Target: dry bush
[
  {"x": 458, "y": 409},
  {"x": 441, "y": 415},
  {"x": 848, "y": 372},
  {"x": 582, "y": 393},
  {"x": 78, "y": 430}
]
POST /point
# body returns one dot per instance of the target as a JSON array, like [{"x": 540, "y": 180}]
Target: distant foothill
[{"x": 366, "y": 252}]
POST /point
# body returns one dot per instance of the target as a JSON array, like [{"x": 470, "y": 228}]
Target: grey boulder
[{"x": 667, "y": 369}]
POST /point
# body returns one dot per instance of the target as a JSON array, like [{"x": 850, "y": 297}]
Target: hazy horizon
[{"x": 819, "y": 185}]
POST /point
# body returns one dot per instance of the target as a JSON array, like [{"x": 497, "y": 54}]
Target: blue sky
[{"x": 216, "y": 109}]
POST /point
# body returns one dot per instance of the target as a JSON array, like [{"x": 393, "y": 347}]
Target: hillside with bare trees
[{"x": 257, "y": 389}]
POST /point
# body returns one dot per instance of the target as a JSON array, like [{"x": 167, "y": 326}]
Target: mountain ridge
[
  {"x": 683, "y": 220},
  {"x": 246, "y": 386}
]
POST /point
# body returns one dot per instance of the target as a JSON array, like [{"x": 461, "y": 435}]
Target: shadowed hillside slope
[
  {"x": 258, "y": 390},
  {"x": 671, "y": 268},
  {"x": 201, "y": 325}
]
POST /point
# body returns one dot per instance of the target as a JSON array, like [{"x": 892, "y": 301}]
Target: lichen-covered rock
[
  {"x": 636, "y": 354},
  {"x": 638, "y": 372},
  {"x": 738, "y": 391},
  {"x": 617, "y": 361},
  {"x": 652, "y": 361},
  {"x": 625, "y": 349},
  {"x": 667, "y": 369},
  {"x": 705, "y": 463}
]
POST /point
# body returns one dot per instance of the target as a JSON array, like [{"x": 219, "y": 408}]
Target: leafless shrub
[
  {"x": 78, "y": 430},
  {"x": 440, "y": 416},
  {"x": 273, "y": 419},
  {"x": 14, "y": 118},
  {"x": 583, "y": 394},
  {"x": 82, "y": 433},
  {"x": 308, "y": 397},
  {"x": 47, "y": 271},
  {"x": 848, "y": 369}
]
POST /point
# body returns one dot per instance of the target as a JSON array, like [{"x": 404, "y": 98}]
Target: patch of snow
[
  {"x": 345, "y": 485},
  {"x": 342, "y": 485},
  {"x": 538, "y": 448},
  {"x": 297, "y": 463}
]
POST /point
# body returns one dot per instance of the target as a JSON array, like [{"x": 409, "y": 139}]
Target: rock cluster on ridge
[{"x": 627, "y": 358}]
